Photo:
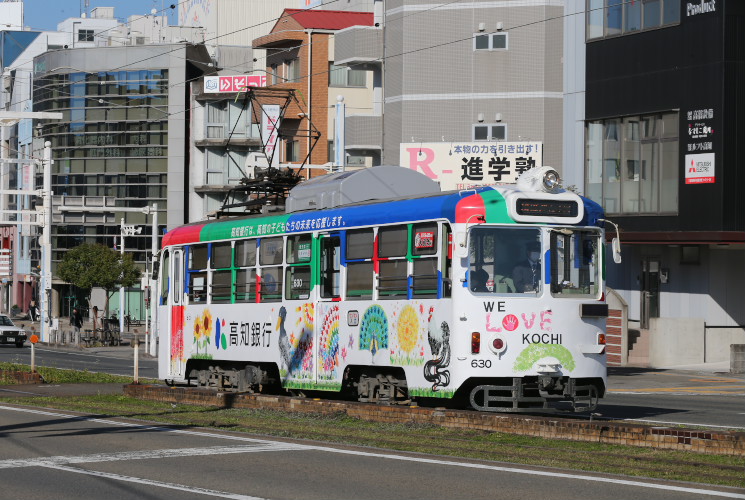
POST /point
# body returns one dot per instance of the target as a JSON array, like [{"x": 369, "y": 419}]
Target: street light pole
[{"x": 46, "y": 245}]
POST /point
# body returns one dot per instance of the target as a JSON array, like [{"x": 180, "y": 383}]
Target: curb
[{"x": 646, "y": 436}]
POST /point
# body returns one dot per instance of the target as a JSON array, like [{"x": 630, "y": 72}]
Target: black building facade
[{"x": 664, "y": 153}]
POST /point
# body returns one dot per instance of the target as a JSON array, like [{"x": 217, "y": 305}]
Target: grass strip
[
  {"x": 62, "y": 376},
  {"x": 430, "y": 439}
]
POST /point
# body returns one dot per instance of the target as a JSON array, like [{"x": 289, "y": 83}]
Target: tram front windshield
[
  {"x": 505, "y": 260},
  {"x": 510, "y": 260}
]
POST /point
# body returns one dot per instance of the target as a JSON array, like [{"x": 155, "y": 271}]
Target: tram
[{"x": 492, "y": 298}]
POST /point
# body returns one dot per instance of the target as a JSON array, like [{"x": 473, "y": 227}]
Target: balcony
[
  {"x": 364, "y": 132},
  {"x": 358, "y": 45}
]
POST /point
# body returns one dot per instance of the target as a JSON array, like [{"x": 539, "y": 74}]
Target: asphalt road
[
  {"x": 666, "y": 397},
  {"x": 114, "y": 360},
  {"x": 54, "y": 454}
]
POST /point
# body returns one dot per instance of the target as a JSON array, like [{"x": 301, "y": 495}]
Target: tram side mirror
[
  {"x": 616, "y": 247},
  {"x": 461, "y": 248}
]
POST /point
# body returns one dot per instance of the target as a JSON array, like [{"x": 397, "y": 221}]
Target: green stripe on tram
[
  {"x": 496, "y": 207},
  {"x": 245, "y": 228}
]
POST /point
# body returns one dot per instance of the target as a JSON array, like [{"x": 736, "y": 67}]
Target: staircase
[{"x": 638, "y": 348}]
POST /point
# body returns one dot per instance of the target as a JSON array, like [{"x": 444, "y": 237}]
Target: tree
[{"x": 88, "y": 266}]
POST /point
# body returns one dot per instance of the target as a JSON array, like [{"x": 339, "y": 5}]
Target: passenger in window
[
  {"x": 527, "y": 273},
  {"x": 478, "y": 280}
]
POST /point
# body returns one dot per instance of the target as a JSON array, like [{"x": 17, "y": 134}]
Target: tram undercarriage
[{"x": 531, "y": 394}]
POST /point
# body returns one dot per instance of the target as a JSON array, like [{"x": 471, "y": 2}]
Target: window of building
[
  {"x": 607, "y": 18},
  {"x": 292, "y": 70},
  {"x": 224, "y": 167},
  {"x": 632, "y": 164},
  {"x": 486, "y": 132},
  {"x": 490, "y": 41},
  {"x": 227, "y": 119},
  {"x": 275, "y": 76},
  {"x": 85, "y": 35},
  {"x": 344, "y": 76},
  {"x": 292, "y": 151},
  {"x": 215, "y": 119}
]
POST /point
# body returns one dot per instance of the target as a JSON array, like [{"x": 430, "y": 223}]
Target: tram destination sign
[{"x": 464, "y": 165}]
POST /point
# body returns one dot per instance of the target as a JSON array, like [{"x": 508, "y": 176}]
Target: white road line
[
  {"x": 150, "y": 482},
  {"x": 143, "y": 455},
  {"x": 17, "y": 392},
  {"x": 85, "y": 355},
  {"x": 682, "y": 423},
  {"x": 640, "y": 484}
]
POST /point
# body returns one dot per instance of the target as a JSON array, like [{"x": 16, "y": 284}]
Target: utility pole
[
  {"x": 43, "y": 217},
  {"x": 46, "y": 245}
]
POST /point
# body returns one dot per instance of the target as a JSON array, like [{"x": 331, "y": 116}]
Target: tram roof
[{"x": 452, "y": 206}]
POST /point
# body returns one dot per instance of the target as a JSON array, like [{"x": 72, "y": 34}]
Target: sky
[{"x": 46, "y": 14}]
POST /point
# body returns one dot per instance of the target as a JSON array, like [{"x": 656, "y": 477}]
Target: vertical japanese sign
[
  {"x": 270, "y": 133},
  {"x": 467, "y": 165},
  {"x": 699, "y": 167}
]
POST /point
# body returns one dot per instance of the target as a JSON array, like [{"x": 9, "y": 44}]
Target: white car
[{"x": 10, "y": 333}]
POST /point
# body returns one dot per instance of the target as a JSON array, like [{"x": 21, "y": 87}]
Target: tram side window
[
  {"x": 270, "y": 261},
  {"x": 298, "y": 269},
  {"x": 359, "y": 254},
  {"x": 222, "y": 274},
  {"x": 197, "y": 273},
  {"x": 393, "y": 276},
  {"x": 424, "y": 252},
  {"x": 165, "y": 272},
  {"x": 245, "y": 276}
]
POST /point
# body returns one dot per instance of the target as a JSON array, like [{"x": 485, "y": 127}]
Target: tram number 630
[{"x": 481, "y": 363}]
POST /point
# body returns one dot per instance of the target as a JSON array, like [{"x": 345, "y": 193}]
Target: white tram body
[{"x": 492, "y": 297}]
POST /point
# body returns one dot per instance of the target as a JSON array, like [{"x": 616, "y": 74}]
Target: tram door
[
  {"x": 329, "y": 295},
  {"x": 650, "y": 291},
  {"x": 330, "y": 266}
]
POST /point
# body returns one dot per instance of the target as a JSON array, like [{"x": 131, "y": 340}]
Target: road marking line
[
  {"x": 699, "y": 388},
  {"x": 151, "y": 482},
  {"x": 495, "y": 468},
  {"x": 143, "y": 455},
  {"x": 18, "y": 392},
  {"x": 681, "y": 423}
]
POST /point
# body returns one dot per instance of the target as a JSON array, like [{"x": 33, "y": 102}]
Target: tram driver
[{"x": 527, "y": 273}]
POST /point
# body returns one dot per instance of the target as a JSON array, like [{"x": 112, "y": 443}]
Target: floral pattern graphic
[
  {"x": 536, "y": 352},
  {"x": 301, "y": 344},
  {"x": 408, "y": 329},
  {"x": 328, "y": 343},
  {"x": 177, "y": 338},
  {"x": 410, "y": 332},
  {"x": 202, "y": 332},
  {"x": 374, "y": 330}
]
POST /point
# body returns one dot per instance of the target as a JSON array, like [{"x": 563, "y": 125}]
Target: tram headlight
[
  {"x": 551, "y": 180},
  {"x": 544, "y": 179}
]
